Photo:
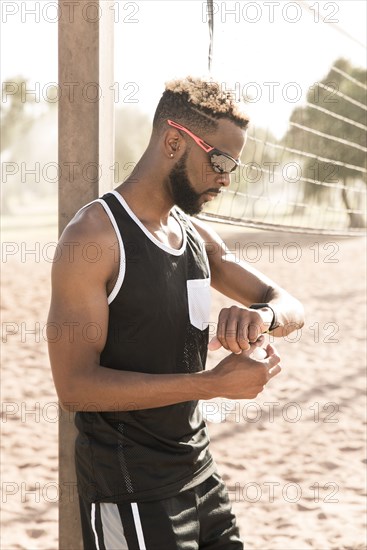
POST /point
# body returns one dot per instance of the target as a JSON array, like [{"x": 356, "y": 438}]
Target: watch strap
[{"x": 274, "y": 324}]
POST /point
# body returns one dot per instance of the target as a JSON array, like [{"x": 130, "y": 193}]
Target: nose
[{"x": 224, "y": 179}]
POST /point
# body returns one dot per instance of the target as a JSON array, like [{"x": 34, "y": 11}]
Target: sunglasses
[{"x": 221, "y": 162}]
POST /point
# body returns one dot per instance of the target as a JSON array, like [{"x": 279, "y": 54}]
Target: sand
[{"x": 294, "y": 458}]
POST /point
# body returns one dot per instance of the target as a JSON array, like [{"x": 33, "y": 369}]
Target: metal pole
[{"x": 86, "y": 157}]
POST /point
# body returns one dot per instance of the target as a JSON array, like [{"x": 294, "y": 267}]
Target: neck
[{"x": 147, "y": 190}]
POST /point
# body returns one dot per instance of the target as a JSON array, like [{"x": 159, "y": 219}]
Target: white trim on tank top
[
  {"x": 170, "y": 250},
  {"x": 122, "y": 266}
]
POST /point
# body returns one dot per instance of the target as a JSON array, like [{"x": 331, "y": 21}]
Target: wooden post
[{"x": 86, "y": 157}]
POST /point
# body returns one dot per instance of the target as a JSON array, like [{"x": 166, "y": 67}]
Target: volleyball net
[{"x": 313, "y": 179}]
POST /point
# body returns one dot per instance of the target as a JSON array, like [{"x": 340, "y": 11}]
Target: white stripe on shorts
[
  {"x": 138, "y": 527},
  {"x": 93, "y": 521},
  {"x": 113, "y": 530}
]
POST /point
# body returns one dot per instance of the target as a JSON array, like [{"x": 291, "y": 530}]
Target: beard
[{"x": 184, "y": 195}]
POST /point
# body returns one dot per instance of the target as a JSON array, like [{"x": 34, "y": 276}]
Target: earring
[{"x": 171, "y": 155}]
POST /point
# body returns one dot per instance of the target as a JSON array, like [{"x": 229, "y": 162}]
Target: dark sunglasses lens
[{"x": 221, "y": 163}]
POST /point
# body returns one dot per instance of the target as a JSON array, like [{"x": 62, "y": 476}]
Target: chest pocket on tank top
[{"x": 198, "y": 294}]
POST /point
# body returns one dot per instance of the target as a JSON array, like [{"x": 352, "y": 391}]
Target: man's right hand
[{"x": 240, "y": 376}]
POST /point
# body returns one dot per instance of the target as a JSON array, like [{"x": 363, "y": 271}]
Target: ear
[{"x": 174, "y": 144}]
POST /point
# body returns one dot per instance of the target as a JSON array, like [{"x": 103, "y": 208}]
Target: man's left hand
[{"x": 239, "y": 327}]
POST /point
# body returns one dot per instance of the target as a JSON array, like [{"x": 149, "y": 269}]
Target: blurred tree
[
  {"x": 20, "y": 109},
  {"x": 323, "y": 98},
  {"x": 26, "y": 125}
]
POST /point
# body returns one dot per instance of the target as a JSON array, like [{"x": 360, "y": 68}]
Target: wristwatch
[{"x": 274, "y": 324}]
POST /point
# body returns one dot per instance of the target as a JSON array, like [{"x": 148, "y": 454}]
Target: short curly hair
[{"x": 198, "y": 103}]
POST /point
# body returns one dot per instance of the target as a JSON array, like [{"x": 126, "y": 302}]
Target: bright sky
[{"x": 271, "y": 50}]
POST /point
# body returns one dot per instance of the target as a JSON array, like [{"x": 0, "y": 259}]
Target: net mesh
[{"x": 313, "y": 180}]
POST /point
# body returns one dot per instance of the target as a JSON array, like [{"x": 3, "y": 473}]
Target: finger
[
  {"x": 252, "y": 351},
  {"x": 253, "y": 332},
  {"x": 274, "y": 371},
  {"x": 242, "y": 336},
  {"x": 232, "y": 332},
  {"x": 222, "y": 328},
  {"x": 214, "y": 344},
  {"x": 270, "y": 350},
  {"x": 272, "y": 360}
]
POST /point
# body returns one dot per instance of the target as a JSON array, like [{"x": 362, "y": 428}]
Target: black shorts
[{"x": 194, "y": 519}]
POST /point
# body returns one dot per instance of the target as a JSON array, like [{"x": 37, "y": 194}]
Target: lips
[
  {"x": 211, "y": 195},
  {"x": 214, "y": 192}
]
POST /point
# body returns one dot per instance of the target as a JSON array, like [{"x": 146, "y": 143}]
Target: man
[{"x": 135, "y": 368}]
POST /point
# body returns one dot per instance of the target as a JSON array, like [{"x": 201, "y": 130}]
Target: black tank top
[{"x": 158, "y": 324}]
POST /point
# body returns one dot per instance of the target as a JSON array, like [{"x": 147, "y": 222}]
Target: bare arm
[
  {"x": 77, "y": 332},
  {"x": 245, "y": 284}
]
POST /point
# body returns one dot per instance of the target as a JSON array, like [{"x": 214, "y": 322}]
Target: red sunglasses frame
[{"x": 203, "y": 144}]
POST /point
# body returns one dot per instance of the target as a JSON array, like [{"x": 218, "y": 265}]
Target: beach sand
[{"x": 294, "y": 459}]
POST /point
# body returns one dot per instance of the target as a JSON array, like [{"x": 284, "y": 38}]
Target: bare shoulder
[
  {"x": 88, "y": 245},
  {"x": 89, "y": 222},
  {"x": 206, "y": 232},
  {"x": 215, "y": 247}
]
